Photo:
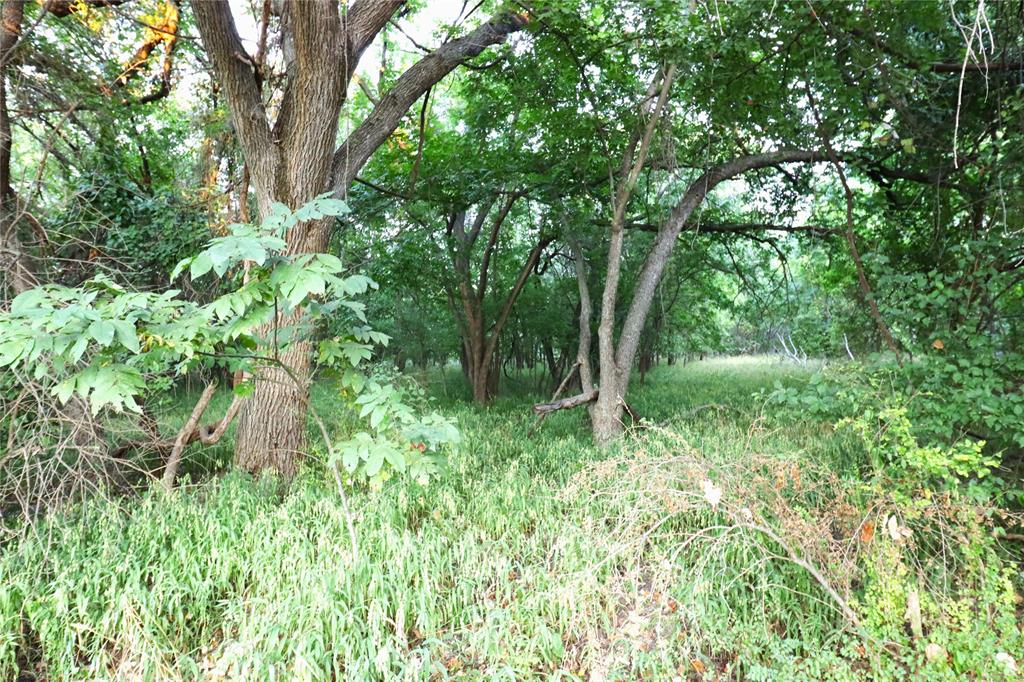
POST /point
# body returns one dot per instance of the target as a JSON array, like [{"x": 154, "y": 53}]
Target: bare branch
[
  {"x": 566, "y": 403},
  {"x": 485, "y": 263}
]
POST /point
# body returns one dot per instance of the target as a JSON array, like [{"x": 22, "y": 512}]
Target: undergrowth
[{"x": 536, "y": 558}]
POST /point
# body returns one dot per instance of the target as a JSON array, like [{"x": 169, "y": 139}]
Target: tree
[
  {"x": 295, "y": 158},
  {"x": 480, "y": 339}
]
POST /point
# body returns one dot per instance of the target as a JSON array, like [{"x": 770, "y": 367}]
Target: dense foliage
[{"x": 369, "y": 234}]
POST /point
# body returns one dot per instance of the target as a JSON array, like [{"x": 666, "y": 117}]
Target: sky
[{"x": 420, "y": 27}]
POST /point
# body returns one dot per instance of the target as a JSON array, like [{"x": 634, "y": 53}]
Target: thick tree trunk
[
  {"x": 606, "y": 414},
  {"x": 272, "y": 424}
]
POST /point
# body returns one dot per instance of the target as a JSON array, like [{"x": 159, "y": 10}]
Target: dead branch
[
  {"x": 174, "y": 460},
  {"x": 566, "y": 403},
  {"x": 558, "y": 392}
]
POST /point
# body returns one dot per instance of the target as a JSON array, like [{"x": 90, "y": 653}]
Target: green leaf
[
  {"x": 64, "y": 389},
  {"x": 126, "y": 335},
  {"x": 102, "y": 331},
  {"x": 354, "y": 380},
  {"x": 79, "y": 348},
  {"x": 374, "y": 460},
  {"x": 28, "y": 302},
  {"x": 200, "y": 265},
  {"x": 180, "y": 267}
]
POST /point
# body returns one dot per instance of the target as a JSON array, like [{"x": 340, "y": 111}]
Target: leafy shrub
[
  {"x": 910, "y": 421},
  {"x": 108, "y": 348}
]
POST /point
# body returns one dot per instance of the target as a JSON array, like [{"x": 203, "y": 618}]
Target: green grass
[{"x": 513, "y": 565}]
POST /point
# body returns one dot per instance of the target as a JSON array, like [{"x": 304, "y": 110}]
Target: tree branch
[
  {"x": 363, "y": 21},
  {"x": 485, "y": 263},
  {"x": 740, "y": 228},
  {"x": 566, "y": 403},
  {"x": 513, "y": 295},
  {"x": 478, "y": 221},
  {"x": 654, "y": 265},
  {"x": 185, "y": 435},
  {"x": 382, "y": 121}
]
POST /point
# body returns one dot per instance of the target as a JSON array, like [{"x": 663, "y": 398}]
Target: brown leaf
[{"x": 867, "y": 531}]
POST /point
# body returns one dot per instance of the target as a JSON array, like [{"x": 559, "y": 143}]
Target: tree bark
[{"x": 586, "y": 311}]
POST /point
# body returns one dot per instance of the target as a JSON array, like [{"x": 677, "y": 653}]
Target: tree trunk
[
  {"x": 18, "y": 267},
  {"x": 586, "y": 308},
  {"x": 484, "y": 371},
  {"x": 606, "y": 414},
  {"x": 552, "y": 363},
  {"x": 272, "y": 424}
]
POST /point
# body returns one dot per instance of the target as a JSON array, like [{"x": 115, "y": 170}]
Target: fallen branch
[
  {"x": 558, "y": 392},
  {"x": 566, "y": 403},
  {"x": 811, "y": 569},
  {"x": 207, "y": 434},
  {"x": 211, "y": 433}
]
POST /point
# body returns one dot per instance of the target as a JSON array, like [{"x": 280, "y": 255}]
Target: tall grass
[{"x": 514, "y": 565}]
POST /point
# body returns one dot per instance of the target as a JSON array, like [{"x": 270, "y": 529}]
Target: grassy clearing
[{"x": 529, "y": 559}]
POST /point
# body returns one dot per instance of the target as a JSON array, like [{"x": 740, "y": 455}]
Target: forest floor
[{"x": 717, "y": 544}]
